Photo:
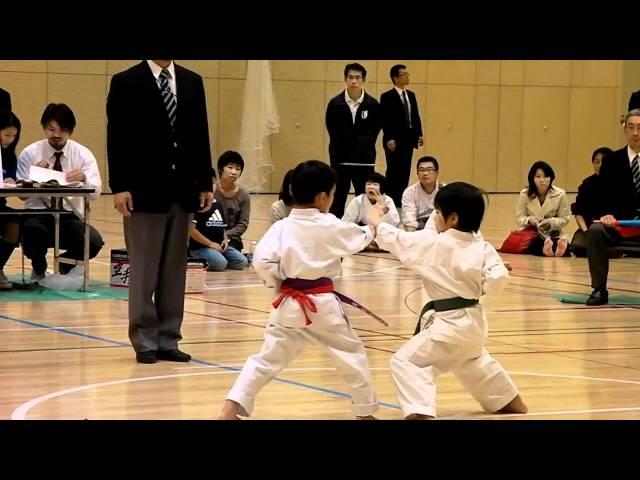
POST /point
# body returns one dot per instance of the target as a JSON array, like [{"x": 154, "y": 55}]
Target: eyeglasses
[{"x": 427, "y": 170}]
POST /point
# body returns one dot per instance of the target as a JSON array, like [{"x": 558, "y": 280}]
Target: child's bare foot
[
  {"x": 561, "y": 248},
  {"x": 419, "y": 416},
  {"x": 229, "y": 411},
  {"x": 514, "y": 406},
  {"x": 366, "y": 417}
]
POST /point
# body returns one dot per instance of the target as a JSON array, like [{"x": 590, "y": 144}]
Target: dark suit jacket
[
  {"x": 142, "y": 150},
  {"x": 588, "y": 199},
  {"x": 5, "y": 99},
  {"x": 634, "y": 101},
  {"x": 394, "y": 123},
  {"x": 351, "y": 142},
  {"x": 618, "y": 195}
]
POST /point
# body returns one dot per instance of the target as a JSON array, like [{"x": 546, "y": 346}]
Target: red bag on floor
[{"x": 519, "y": 241}]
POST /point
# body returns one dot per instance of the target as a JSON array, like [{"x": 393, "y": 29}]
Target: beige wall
[{"x": 486, "y": 121}]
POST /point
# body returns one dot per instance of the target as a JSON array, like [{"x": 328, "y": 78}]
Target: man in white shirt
[
  {"x": 417, "y": 199},
  {"x": 58, "y": 152}
]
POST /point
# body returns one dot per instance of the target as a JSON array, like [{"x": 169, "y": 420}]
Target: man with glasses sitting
[
  {"x": 619, "y": 194},
  {"x": 417, "y": 199}
]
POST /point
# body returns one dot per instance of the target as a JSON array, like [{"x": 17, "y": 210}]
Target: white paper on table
[{"x": 39, "y": 174}]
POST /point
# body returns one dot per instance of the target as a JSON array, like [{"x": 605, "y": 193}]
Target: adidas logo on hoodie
[{"x": 215, "y": 220}]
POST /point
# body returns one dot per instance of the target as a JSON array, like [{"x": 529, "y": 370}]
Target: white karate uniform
[
  {"x": 451, "y": 264},
  {"x": 359, "y": 207},
  {"x": 307, "y": 245}
]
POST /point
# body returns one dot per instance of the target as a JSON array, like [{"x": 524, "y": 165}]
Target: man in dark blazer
[
  {"x": 160, "y": 173},
  {"x": 5, "y": 100},
  {"x": 353, "y": 123},
  {"x": 401, "y": 131},
  {"x": 620, "y": 200}
]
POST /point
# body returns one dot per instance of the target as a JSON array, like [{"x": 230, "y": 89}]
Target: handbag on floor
[{"x": 519, "y": 241}]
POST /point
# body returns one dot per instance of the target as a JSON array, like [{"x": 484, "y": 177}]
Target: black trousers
[
  {"x": 599, "y": 239},
  {"x": 38, "y": 235},
  {"x": 579, "y": 243},
  {"x": 9, "y": 235},
  {"x": 579, "y": 246},
  {"x": 346, "y": 175},
  {"x": 398, "y": 171}
]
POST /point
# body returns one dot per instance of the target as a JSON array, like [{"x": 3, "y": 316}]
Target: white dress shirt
[{"x": 75, "y": 157}]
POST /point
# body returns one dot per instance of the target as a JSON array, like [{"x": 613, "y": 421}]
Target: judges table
[{"x": 57, "y": 198}]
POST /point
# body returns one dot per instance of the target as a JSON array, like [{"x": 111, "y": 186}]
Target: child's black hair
[
  {"x": 228, "y": 158},
  {"x": 285, "y": 190},
  {"x": 375, "y": 177},
  {"x": 464, "y": 199},
  {"x": 311, "y": 178}
]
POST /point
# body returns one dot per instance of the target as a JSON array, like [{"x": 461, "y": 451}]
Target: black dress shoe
[
  {"x": 174, "y": 355},
  {"x": 148, "y": 356},
  {"x": 599, "y": 296}
]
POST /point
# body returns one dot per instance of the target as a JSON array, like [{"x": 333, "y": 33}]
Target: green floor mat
[
  {"x": 97, "y": 291},
  {"x": 613, "y": 299}
]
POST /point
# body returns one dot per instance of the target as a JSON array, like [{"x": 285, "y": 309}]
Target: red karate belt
[{"x": 299, "y": 289}]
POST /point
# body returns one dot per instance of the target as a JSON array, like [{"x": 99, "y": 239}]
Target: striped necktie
[
  {"x": 168, "y": 97},
  {"x": 635, "y": 169}
]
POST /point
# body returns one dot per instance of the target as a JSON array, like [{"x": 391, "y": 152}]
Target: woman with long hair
[
  {"x": 9, "y": 224},
  {"x": 544, "y": 206}
]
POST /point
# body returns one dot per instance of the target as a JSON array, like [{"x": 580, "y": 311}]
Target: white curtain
[{"x": 259, "y": 120}]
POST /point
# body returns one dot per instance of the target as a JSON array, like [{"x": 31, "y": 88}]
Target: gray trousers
[{"x": 157, "y": 248}]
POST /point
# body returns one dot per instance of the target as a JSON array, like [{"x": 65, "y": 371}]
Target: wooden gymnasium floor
[{"x": 72, "y": 359}]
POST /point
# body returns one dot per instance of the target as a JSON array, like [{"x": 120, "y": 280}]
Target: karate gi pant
[
  {"x": 416, "y": 365},
  {"x": 283, "y": 344}
]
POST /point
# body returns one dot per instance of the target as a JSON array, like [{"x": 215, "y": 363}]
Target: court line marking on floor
[{"x": 20, "y": 413}]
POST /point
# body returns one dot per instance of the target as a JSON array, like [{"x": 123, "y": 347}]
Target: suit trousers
[
  {"x": 157, "y": 248},
  {"x": 599, "y": 240}
]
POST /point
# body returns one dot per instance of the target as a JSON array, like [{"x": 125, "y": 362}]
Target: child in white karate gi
[
  {"x": 457, "y": 266},
  {"x": 374, "y": 194},
  {"x": 374, "y": 188},
  {"x": 299, "y": 255}
]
